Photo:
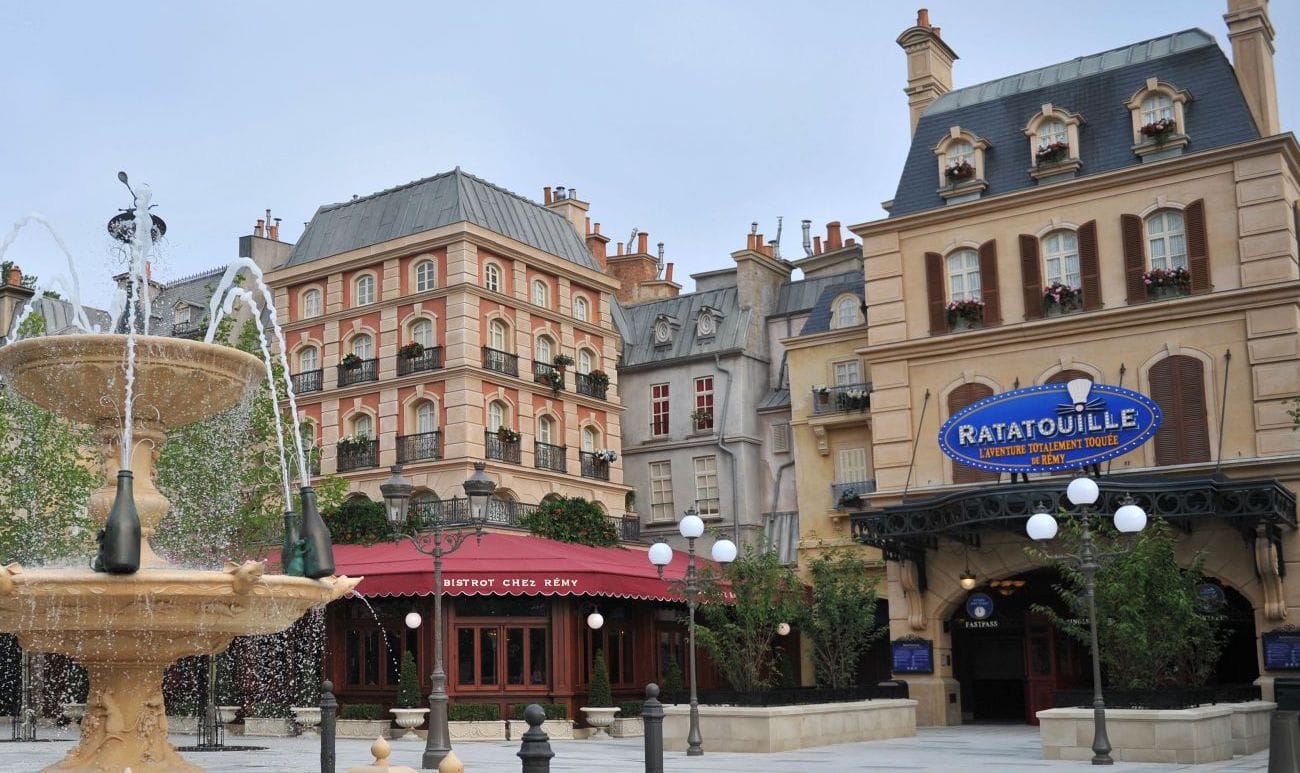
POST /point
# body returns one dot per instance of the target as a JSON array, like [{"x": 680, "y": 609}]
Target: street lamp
[
  {"x": 437, "y": 543},
  {"x": 1129, "y": 519},
  {"x": 692, "y": 585}
]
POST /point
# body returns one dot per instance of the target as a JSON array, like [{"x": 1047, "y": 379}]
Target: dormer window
[
  {"x": 706, "y": 325},
  {"x": 1053, "y": 142},
  {"x": 1159, "y": 122},
  {"x": 845, "y": 312},
  {"x": 663, "y": 331},
  {"x": 961, "y": 165}
]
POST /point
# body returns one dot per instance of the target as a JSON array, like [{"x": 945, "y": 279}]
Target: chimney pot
[
  {"x": 15, "y": 276},
  {"x": 257, "y": 229},
  {"x": 850, "y": 242},
  {"x": 573, "y": 193},
  {"x": 597, "y": 227},
  {"x": 923, "y": 17},
  {"x": 643, "y": 243},
  {"x": 833, "y": 235},
  {"x": 620, "y": 247},
  {"x": 588, "y": 220},
  {"x": 668, "y": 272},
  {"x": 817, "y": 245},
  {"x": 546, "y": 194}
]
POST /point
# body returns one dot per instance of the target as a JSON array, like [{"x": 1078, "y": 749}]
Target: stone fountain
[{"x": 126, "y": 629}]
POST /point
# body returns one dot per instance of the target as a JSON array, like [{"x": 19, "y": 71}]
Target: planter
[
  {"x": 362, "y": 728},
  {"x": 1160, "y": 293},
  {"x": 958, "y": 322},
  {"x": 1186, "y": 736},
  {"x": 408, "y": 720},
  {"x": 273, "y": 727},
  {"x": 561, "y": 729},
  {"x": 307, "y": 718},
  {"x": 478, "y": 730},
  {"x": 227, "y": 714},
  {"x": 599, "y": 718},
  {"x": 627, "y": 727},
  {"x": 1060, "y": 309},
  {"x": 182, "y": 724},
  {"x": 74, "y": 711},
  {"x": 766, "y": 729}
]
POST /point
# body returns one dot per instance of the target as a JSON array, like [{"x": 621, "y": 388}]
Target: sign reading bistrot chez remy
[{"x": 1049, "y": 428}]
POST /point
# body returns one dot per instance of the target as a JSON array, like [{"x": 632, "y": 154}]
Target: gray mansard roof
[
  {"x": 1097, "y": 88},
  {"x": 639, "y": 346},
  {"x": 450, "y": 197}
]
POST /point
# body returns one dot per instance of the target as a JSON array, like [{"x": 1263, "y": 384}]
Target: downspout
[{"x": 731, "y": 456}]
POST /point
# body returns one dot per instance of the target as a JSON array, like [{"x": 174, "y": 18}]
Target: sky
[{"x": 688, "y": 120}]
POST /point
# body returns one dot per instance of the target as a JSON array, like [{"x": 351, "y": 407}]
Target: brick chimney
[
  {"x": 598, "y": 243},
  {"x": 1251, "y": 34},
  {"x": 565, "y": 201},
  {"x": 833, "y": 237},
  {"x": 929, "y": 65},
  {"x": 635, "y": 268}
]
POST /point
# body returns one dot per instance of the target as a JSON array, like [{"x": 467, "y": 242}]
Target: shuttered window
[
  {"x": 959, "y": 398},
  {"x": 1090, "y": 265},
  {"x": 1066, "y": 376},
  {"x": 1178, "y": 386}
]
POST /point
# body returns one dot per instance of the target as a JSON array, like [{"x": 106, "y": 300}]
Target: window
[
  {"x": 426, "y": 276},
  {"x": 498, "y": 334},
  {"x": 658, "y": 409},
  {"x": 846, "y": 312},
  {"x": 661, "y": 491},
  {"x": 363, "y": 426},
  {"x": 541, "y": 293},
  {"x": 1157, "y": 111},
  {"x": 848, "y": 373},
  {"x": 181, "y": 315},
  {"x": 492, "y": 277},
  {"x": 363, "y": 346},
  {"x": 426, "y": 417},
  {"x": 546, "y": 431},
  {"x": 543, "y": 353},
  {"x": 781, "y": 437},
  {"x": 616, "y": 640},
  {"x": 851, "y": 465},
  {"x": 964, "y": 275},
  {"x": 495, "y": 656},
  {"x": 584, "y": 361},
  {"x": 1156, "y": 107},
  {"x": 1178, "y": 386},
  {"x": 1166, "y": 247},
  {"x": 311, "y": 303},
  {"x": 663, "y": 331},
  {"x": 706, "y": 485},
  {"x": 1053, "y": 134},
  {"x": 706, "y": 324},
  {"x": 1052, "y": 131},
  {"x": 960, "y": 152},
  {"x": 498, "y": 415},
  {"x": 581, "y": 310},
  {"x": 308, "y": 359},
  {"x": 703, "y": 413},
  {"x": 365, "y": 289},
  {"x": 1061, "y": 259},
  {"x": 422, "y": 332},
  {"x": 960, "y": 158},
  {"x": 590, "y": 439}
]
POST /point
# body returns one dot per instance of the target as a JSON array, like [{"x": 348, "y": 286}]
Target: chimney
[
  {"x": 257, "y": 229},
  {"x": 833, "y": 236},
  {"x": 598, "y": 243},
  {"x": 668, "y": 272},
  {"x": 275, "y": 230},
  {"x": 643, "y": 243},
  {"x": 929, "y": 65},
  {"x": 817, "y": 245},
  {"x": 15, "y": 278},
  {"x": 566, "y": 203},
  {"x": 546, "y": 195},
  {"x": 1251, "y": 34}
]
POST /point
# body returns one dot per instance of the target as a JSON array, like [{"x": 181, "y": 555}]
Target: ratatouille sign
[{"x": 1050, "y": 428}]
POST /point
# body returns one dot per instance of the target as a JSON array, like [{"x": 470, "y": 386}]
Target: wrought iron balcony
[
  {"x": 429, "y": 359},
  {"x": 593, "y": 466},
  {"x": 845, "y": 496},
  {"x": 424, "y": 445},
  {"x": 308, "y": 381},
  {"x": 842, "y": 398},
  {"x": 551, "y": 376},
  {"x": 358, "y": 372},
  {"x": 357, "y": 454},
  {"x": 591, "y": 385},
  {"x": 501, "y": 362},
  {"x": 549, "y": 457},
  {"x": 190, "y": 330},
  {"x": 496, "y": 446},
  {"x": 503, "y": 513}
]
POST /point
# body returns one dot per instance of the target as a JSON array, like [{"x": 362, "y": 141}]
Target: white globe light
[
  {"x": 783, "y": 629},
  {"x": 1082, "y": 491},
  {"x": 595, "y": 620},
  {"x": 1130, "y": 519},
  {"x": 1041, "y": 527},
  {"x": 413, "y": 620},
  {"x": 724, "y": 551},
  {"x": 691, "y": 526},
  {"x": 661, "y": 554}
]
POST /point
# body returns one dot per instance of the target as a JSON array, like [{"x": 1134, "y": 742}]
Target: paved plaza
[{"x": 947, "y": 749}]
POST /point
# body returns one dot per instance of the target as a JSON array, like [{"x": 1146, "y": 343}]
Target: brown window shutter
[
  {"x": 1178, "y": 386},
  {"x": 938, "y": 292},
  {"x": 1135, "y": 261},
  {"x": 959, "y": 398},
  {"x": 1066, "y": 376},
  {"x": 1032, "y": 276},
  {"x": 989, "y": 283},
  {"x": 1090, "y": 265},
  {"x": 1198, "y": 246}
]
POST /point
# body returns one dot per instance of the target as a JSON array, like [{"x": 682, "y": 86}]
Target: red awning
[{"x": 513, "y": 565}]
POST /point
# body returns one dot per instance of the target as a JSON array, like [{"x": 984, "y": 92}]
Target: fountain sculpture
[{"x": 127, "y": 627}]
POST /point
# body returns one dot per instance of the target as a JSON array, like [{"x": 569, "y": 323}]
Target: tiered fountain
[{"x": 126, "y": 627}]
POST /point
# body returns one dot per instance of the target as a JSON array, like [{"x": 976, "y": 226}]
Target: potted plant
[
  {"x": 1159, "y": 130},
  {"x": 1167, "y": 282},
  {"x": 606, "y": 455},
  {"x": 78, "y": 689},
  {"x": 412, "y": 351},
  {"x": 599, "y": 378},
  {"x": 959, "y": 172},
  {"x": 554, "y": 379},
  {"x": 703, "y": 418},
  {"x": 823, "y": 394},
  {"x": 1051, "y": 153},
  {"x": 507, "y": 435},
  {"x": 1060, "y": 298},
  {"x": 408, "y": 714},
  {"x": 965, "y": 314},
  {"x": 562, "y": 360},
  {"x": 224, "y": 698},
  {"x": 849, "y": 498},
  {"x": 306, "y": 711},
  {"x": 350, "y": 361},
  {"x": 600, "y": 714}
]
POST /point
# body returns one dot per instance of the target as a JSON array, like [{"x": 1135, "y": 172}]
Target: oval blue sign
[
  {"x": 979, "y": 606},
  {"x": 1050, "y": 428}
]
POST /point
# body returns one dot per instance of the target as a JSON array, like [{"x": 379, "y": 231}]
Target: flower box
[
  {"x": 350, "y": 361},
  {"x": 1052, "y": 153},
  {"x": 1060, "y": 298},
  {"x": 507, "y": 435},
  {"x": 1159, "y": 130},
  {"x": 411, "y": 351},
  {"x": 1167, "y": 282},
  {"x": 605, "y": 455},
  {"x": 965, "y": 314},
  {"x": 562, "y": 360},
  {"x": 959, "y": 172},
  {"x": 600, "y": 378}
]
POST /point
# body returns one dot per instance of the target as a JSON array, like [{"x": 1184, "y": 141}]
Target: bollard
[
  {"x": 535, "y": 751},
  {"x": 1284, "y": 742},
  {"x": 652, "y": 714},
  {"x": 328, "y": 708}
]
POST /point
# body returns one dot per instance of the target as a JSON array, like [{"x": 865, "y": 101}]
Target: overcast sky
[{"x": 688, "y": 120}]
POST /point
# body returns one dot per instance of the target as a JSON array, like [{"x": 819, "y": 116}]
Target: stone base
[
  {"x": 272, "y": 727},
  {"x": 361, "y": 728},
  {"x": 182, "y": 725},
  {"x": 782, "y": 728},
  {"x": 1250, "y": 725},
  {"x": 627, "y": 727},
  {"x": 1186, "y": 736},
  {"x": 485, "y": 730}
]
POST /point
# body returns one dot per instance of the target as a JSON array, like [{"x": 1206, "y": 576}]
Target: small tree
[
  {"x": 408, "y": 684},
  {"x": 598, "y": 692},
  {"x": 739, "y": 635},
  {"x": 841, "y": 618},
  {"x": 673, "y": 680},
  {"x": 571, "y": 519},
  {"x": 358, "y": 521}
]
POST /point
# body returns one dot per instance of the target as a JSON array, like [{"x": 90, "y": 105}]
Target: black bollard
[
  {"x": 1284, "y": 742},
  {"x": 328, "y": 708},
  {"x": 652, "y": 714},
  {"x": 535, "y": 750}
]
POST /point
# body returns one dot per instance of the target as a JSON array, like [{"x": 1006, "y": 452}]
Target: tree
[
  {"x": 1152, "y": 626},
  {"x": 840, "y": 618},
  {"x": 571, "y": 519},
  {"x": 598, "y": 693},
  {"x": 408, "y": 684},
  {"x": 738, "y": 636}
]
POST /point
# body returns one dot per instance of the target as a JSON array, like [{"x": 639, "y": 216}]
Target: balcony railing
[
  {"x": 588, "y": 385},
  {"x": 549, "y": 457},
  {"x": 190, "y": 330},
  {"x": 429, "y": 359},
  {"x": 497, "y": 447},
  {"x": 503, "y": 513},
  {"x": 839, "y": 399},
  {"x": 549, "y": 375},
  {"x": 501, "y": 362},
  {"x": 308, "y": 381},
  {"x": 424, "y": 445},
  {"x": 593, "y": 466},
  {"x": 845, "y": 496},
  {"x": 359, "y": 372},
  {"x": 357, "y": 454}
]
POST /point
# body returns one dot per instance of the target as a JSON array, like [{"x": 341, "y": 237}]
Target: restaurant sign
[{"x": 1050, "y": 428}]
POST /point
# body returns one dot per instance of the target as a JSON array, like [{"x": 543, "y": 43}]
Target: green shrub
[
  {"x": 630, "y": 709},
  {"x": 553, "y": 710},
  {"x": 598, "y": 692},
  {"x": 473, "y": 712},
  {"x": 358, "y": 521},
  {"x": 362, "y": 711},
  {"x": 674, "y": 682},
  {"x": 408, "y": 684},
  {"x": 571, "y": 519}
]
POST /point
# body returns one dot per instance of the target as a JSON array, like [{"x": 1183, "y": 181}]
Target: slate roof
[
  {"x": 1096, "y": 87},
  {"x": 775, "y": 399},
  {"x": 803, "y": 294},
  {"x": 58, "y": 316},
  {"x": 639, "y": 347},
  {"x": 422, "y": 205},
  {"x": 195, "y": 290},
  {"x": 819, "y": 319}
]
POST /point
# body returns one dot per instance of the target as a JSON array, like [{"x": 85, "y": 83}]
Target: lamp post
[
  {"x": 1129, "y": 519},
  {"x": 692, "y": 585},
  {"x": 437, "y": 543}
]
